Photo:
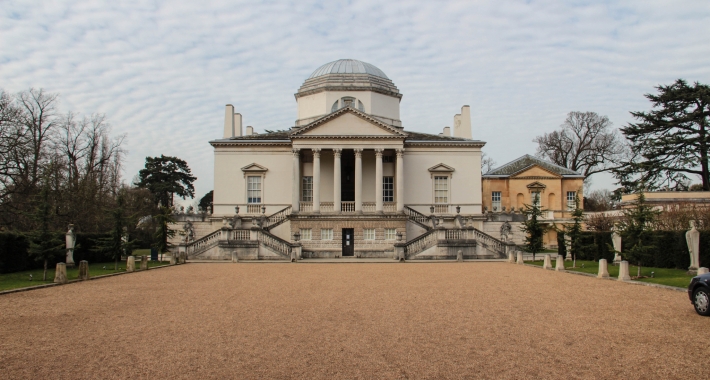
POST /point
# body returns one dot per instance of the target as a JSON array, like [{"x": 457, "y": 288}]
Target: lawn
[
  {"x": 663, "y": 276},
  {"x": 22, "y": 279}
]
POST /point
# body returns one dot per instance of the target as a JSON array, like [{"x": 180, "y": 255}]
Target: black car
[{"x": 699, "y": 293}]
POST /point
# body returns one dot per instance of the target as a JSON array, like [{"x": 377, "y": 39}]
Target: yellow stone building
[{"x": 507, "y": 189}]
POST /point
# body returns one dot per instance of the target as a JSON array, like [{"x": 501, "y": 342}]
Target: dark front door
[{"x": 348, "y": 242}]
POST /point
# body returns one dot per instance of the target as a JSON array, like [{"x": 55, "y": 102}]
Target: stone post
[
  {"x": 83, "y": 270},
  {"x": 296, "y": 184},
  {"x": 316, "y": 180},
  {"x": 144, "y": 262},
  {"x": 520, "y": 258},
  {"x": 459, "y": 256},
  {"x": 702, "y": 270},
  {"x": 616, "y": 241},
  {"x": 131, "y": 264},
  {"x": 624, "y": 271},
  {"x": 70, "y": 245},
  {"x": 559, "y": 263},
  {"x": 224, "y": 233},
  {"x": 60, "y": 273},
  {"x": 511, "y": 257},
  {"x": 548, "y": 263},
  {"x": 603, "y": 271},
  {"x": 379, "y": 204},
  {"x": 399, "y": 252},
  {"x": 173, "y": 258},
  {"x": 358, "y": 180},
  {"x": 336, "y": 180},
  {"x": 399, "y": 178},
  {"x": 692, "y": 237},
  {"x": 183, "y": 257}
]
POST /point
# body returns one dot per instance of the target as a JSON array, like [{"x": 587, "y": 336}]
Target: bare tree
[
  {"x": 487, "y": 163},
  {"x": 599, "y": 200},
  {"x": 584, "y": 143}
]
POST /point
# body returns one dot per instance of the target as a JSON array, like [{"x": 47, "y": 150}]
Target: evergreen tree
[
  {"x": 166, "y": 176},
  {"x": 44, "y": 245},
  {"x": 532, "y": 227},
  {"x": 206, "y": 202},
  {"x": 163, "y": 231},
  {"x": 575, "y": 231},
  {"x": 672, "y": 140},
  {"x": 561, "y": 246},
  {"x": 117, "y": 243},
  {"x": 637, "y": 227}
]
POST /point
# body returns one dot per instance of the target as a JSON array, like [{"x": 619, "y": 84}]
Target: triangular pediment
[
  {"x": 536, "y": 171},
  {"x": 536, "y": 185},
  {"x": 347, "y": 122},
  {"x": 441, "y": 168},
  {"x": 254, "y": 168}
]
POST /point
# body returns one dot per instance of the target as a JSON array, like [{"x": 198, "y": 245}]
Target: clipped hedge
[
  {"x": 13, "y": 252},
  {"x": 595, "y": 246},
  {"x": 669, "y": 249}
]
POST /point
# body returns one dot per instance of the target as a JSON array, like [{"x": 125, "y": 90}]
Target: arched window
[
  {"x": 334, "y": 107},
  {"x": 360, "y": 106}
]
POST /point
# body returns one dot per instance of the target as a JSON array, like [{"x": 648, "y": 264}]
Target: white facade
[{"x": 348, "y": 166}]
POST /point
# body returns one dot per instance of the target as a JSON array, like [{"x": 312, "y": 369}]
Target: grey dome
[{"x": 348, "y": 66}]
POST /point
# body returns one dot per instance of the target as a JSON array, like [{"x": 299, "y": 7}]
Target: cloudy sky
[{"x": 162, "y": 71}]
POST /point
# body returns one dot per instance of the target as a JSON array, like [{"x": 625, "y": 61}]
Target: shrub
[{"x": 13, "y": 253}]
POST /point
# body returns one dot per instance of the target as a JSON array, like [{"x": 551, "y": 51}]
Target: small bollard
[
  {"x": 60, "y": 274},
  {"x": 511, "y": 257},
  {"x": 459, "y": 256},
  {"x": 520, "y": 258},
  {"x": 702, "y": 270},
  {"x": 173, "y": 259},
  {"x": 560, "y": 263},
  {"x": 183, "y": 257},
  {"x": 547, "y": 264},
  {"x": 144, "y": 262},
  {"x": 603, "y": 271},
  {"x": 83, "y": 270},
  {"x": 624, "y": 271},
  {"x": 131, "y": 264}
]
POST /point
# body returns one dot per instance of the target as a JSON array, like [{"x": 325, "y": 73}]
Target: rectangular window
[
  {"x": 253, "y": 189},
  {"x": 390, "y": 234},
  {"x": 535, "y": 196},
  {"x": 495, "y": 197},
  {"x": 307, "y": 195},
  {"x": 368, "y": 234},
  {"x": 441, "y": 189},
  {"x": 326, "y": 234},
  {"x": 387, "y": 159},
  {"x": 306, "y": 234},
  {"x": 388, "y": 189},
  {"x": 571, "y": 200}
]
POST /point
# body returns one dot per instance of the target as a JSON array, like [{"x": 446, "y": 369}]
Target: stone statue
[
  {"x": 71, "y": 244},
  {"x": 505, "y": 231},
  {"x": 189, "y": 231},
  {"x": 692, "y": 237},
  {"x": 616, "y": 241},
  {"x": 235, "y": 222}
]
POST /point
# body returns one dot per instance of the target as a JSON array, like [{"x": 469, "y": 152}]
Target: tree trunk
[
  {"x": 116, "y": 266},
  {"x": 44, "y": 277}
]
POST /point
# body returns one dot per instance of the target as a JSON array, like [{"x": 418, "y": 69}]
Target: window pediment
[
  {"x": 254, "y": 168},
  {"x": 441, "y": 168},
  {"x": 536, "y": 186}
]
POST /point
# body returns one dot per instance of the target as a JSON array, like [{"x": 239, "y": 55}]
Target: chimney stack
[
  {"x": 229, "y": 121},
  {"x": 250, "y": 131},
  {"x": 237, "y": 124},
  {"x": 462, "y": 123},
  {"x": 447, "y": 131}
]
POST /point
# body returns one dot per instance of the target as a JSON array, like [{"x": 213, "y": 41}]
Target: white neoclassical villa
[{"x": 347, "y": 179}]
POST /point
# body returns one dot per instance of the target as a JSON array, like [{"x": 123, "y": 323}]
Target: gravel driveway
[{"x": 439, "y": 320}]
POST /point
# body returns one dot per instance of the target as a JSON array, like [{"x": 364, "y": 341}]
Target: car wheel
[{"x": 701, "y": 301}]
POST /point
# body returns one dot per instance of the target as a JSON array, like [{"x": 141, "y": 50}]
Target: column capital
[
  {"x": 296, "y": 151},
  {"x": 358, "y": 152},
  {"x": 378, "y": 152},
  {"x": 400, "y": 152},
  {"x": 337, "y": 152},
  {"x": 316, "y": 152}
]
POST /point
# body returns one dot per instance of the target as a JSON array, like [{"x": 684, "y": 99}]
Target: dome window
[
  {"x": 360, "y": 106},
  {"x": 334, "y": 107}
]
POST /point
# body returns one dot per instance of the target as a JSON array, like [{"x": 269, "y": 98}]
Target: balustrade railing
[
  {"x": 306, "y": 206},
  {"x": 369, "y": 206},
  {"x": 457, "y": 234},
  {"x": 203, "y": 244},
  {"x": 326, "y": 207},
  {"x": 441, "y": 209},
  {"x": 489, "y": 241},
  {"x": 419, "y": 244},
  {"x": 417, "y": 217},
  {"x": 390, "y": 206},
  {"x": 242, "y": 235},
  {"x": 278, "y": 217},
  {"x": 347, "y": 206},
  {"x": 254, "y": 209},
  {"x": 275, "y": 243}
]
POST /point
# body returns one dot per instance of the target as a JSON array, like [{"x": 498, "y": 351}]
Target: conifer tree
[
  {"x": 637, "y": 227},
  {"x": 163, "y": 232},
  {"x": 532, "y": 227},
  {"x": 575, "y": 231}
]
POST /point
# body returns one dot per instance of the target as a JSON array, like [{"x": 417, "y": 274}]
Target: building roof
[
  {"x": 348, "y": 66},
  {"x": 410, "y": 137},
  {"x": 527, "y": 161}
]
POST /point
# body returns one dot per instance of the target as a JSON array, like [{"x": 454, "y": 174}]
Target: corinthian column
[
  {"x": 358, "y": 180},
  {"x": 400, "y": 180},
  {"x": 336, "y": 179},
  {"x": 379, "y": 207},
  {"x": 296, "y": 184},
  {"x": 316, "y": 180}
]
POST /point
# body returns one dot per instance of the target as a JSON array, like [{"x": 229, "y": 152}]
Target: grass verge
[
  {"x": 662, "y": 276},
  {"x": 22, "y": 279}
]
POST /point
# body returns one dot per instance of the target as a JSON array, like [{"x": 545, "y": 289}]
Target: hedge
[
  {"x": 14, "y": 251},
  {"x": 669, "y": 248}
]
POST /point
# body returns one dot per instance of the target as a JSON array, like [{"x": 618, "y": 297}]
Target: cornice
[{"x": 477, "y": 144}]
